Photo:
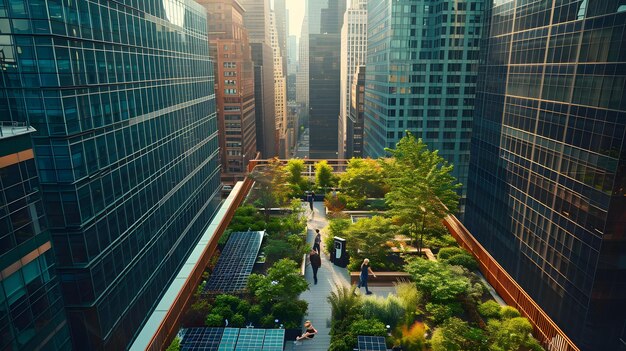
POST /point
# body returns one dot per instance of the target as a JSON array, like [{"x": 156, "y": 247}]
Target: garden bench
[{"x": 382, "y": 278}]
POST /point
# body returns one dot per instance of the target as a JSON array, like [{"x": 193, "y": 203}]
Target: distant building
[
  {"x": 122, "y": 100},
  {"x": 353, "y": 54},
  {"x": 234, "y": 86},
  {"x": 354, "y": 130},
  {"x": 31, "y": 307},
  {"x": 422, "y": 65},
  {"x": 280, "y": 92},
  {"x": 292, "y": 67},
  {"x": 302, "y": 77},
  {"x": 324, "y": 73},
  {"x": 547, "y": 178},
  {"x": 257, "y": 21}
]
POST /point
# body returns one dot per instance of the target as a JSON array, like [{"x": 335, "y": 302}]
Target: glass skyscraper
[
  {"x": 121, "y": 95},
  {"x": 31, "y": 306},
  {"x": 422, "y": 64},
  {"x": 547, "y": 180}
]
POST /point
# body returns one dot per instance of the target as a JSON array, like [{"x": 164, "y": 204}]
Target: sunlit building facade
[
  {"x": 547, "y": 180},
  {"x": 121, "y": 96}
]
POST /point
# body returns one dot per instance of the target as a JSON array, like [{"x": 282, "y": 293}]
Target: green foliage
[
  {"x": 339, "y": 345},
  {"x": 336, "y": 227},
  {"x": 290, "y": 313},
  {"x": 344, "y": 303},
  {"x": 323, "y": 174},
  {"x": 368, "y": 237},
  {"x": 196, "y": 313},
  {"x": 271, "y": 188},
  {"x": 440, "y": 313},
  {"x": 412, "y": 338},
  {"x": 439, "y": 281},
  {"x": 507, "y": 312},
  {"x": 438, "y": 238},
  {"x": 335, "y": 202},
  {"x": 457, "y": 335},
  {"x": 243, "y": 308},
  {"x": 223, "y": 310},
  {"x": 448, "y": 252},
  {"x": 282, "y": 283},
  {"x": 422, "y": 188},
  {"x": 489, "y": 309},
  {"x": 255, "y": 313},
  {"x": 267, "y": 321},
  {"x": 464, "y": 260},
  {"x": 227, "y": 300},
  {"x": 297, "y": 183},
  {"x": 237, "y": 321},
  {"x": 363, "y": 178},
  {"x": 388, "y": 310},
  {"x": 510, "y": 334},
  {"x": 246, "y": 217},
  {"x": 276, "y": 249},
  {"x": 214, "y": 320},
  {"x": 409, "y": 298},
  {"x": 371, "y": 327},
  {"x": 175, "y": 345}
]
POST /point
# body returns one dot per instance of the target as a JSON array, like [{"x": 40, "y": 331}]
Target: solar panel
[
  {"x": 235, "y": 263},
  {"x": 229, "y": 339},
  {"x": 274, "y": 340},
  {"x": 250, "y": 340},
  {"x": 371, "y": 343},
  {"x": 201, "y": 339}
]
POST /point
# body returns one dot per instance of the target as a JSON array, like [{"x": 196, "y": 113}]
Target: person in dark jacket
[
  {"x": 316, "y": 263},
  {"x": 365, "y": 271}
]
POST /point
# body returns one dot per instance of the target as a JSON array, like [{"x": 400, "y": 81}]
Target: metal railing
[{"x": 12, "y": 127}]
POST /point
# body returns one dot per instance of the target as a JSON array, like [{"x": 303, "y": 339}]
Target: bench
[{"x": 382, "y": 278}]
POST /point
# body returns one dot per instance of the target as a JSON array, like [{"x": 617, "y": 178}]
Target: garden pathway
[{"x": 328, "y": 276}]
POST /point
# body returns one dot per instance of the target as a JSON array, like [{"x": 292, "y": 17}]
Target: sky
[{"x": 296, "y": 14}]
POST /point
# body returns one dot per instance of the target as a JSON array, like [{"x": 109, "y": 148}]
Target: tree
[
  {"x": 295, "y": 167},
  {"x": 369, "y": 237},
  {"x": 422, "y": 189},
  {"x": 441, "y": 282},
  {"x": 282, "y": 283},
  {"x": 363, "y": 178},
  {"x": 271, "y": 185},
  {"x": 511, "y": 334},
  {"x": 323, "y": 174}
]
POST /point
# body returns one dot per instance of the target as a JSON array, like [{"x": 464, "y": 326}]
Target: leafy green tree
[
  {"x": 457, "y": 335},
  {"x": 298, "y": 184},
  {"x": 440, "y": 282},
  {"x": 323, "y": 174},
  {"x": 175, "y": 345},
  {"x": 368, "y": 237},
  {"x": 270, "y": 185},
  {"x": 282, "y": 283},
  {"x": 214, "y": 320},
  {"x": 422, "y": 189},
  {"x": 363, "y": 178},
  {"x": 511, "y": 335}
]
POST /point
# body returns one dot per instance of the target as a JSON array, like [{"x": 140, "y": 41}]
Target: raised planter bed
[{"x": 382, "y": 278}]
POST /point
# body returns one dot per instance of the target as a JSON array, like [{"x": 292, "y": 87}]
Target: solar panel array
[
  {"x": 232, "y": 339},
  {"x": 371, "y": 343},
  {"x": 235, "y": 263}
]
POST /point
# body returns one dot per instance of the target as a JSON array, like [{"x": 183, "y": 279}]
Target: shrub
[
  {"x": 389, "y": 310},
  {"x": 489, "y": 309},
  {"x": 290, "y": 313},
  {"x": 267, "y": 321},
  {"x": 409, "y": 298},
  {"x": 344, "y": 303},
  {"x": 227, "y": 300},
  {"x": 371, "y": 327},
  {"x": 336, "y": 227},
  {"x": 440, "y": 282},
  {"x": 464, "y": 260},
  {"x": 511, "y": 334},
  {"x": 255, "y": 313},
  {"x": 282, "y": 282},
  {"x": 223, "y": 310},
  {"x": 476, "y": 291},
  {"x": 335, "y": 203},
  {"x": 508, "y": 312},
  {"x": 214, "y": 320},
  {"x": 243, "y": 307},
  {"x": 412, "y": 338},
  {"x": 448, "y": 252},
  {"x": 440, "y": 313},
  {"x": 339, "y": 345},
  {"x": 237, "y": 321},
  {"x": 175, "y": 345},
  {"x": 457, "y": 335}
]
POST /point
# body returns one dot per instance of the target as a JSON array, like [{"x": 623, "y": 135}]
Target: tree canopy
[
  {"x": 363, "y": 178},
  {"x": 270, "y": 185},
  {"x": 323, "y": 174},
  {"x": 368, "y": 237}
]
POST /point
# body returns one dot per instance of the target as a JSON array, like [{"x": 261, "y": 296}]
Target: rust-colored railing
[{"x": 544, "y": 328}]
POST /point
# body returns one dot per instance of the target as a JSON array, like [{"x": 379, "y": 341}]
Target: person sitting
[{"x": 308, "y": 334}]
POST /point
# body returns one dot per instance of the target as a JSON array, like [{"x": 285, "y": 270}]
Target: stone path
[{"x": 328, "y": 276}]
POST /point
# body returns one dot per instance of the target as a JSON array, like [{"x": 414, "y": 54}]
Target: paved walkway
[{"x": 328, "y": 277}]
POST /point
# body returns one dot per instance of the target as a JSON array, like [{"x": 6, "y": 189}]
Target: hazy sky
[{"x": 296, "y": 14}]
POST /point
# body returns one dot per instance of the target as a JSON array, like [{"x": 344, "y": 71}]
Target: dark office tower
[
  {"x": 422, "y": 62},
  {"x": 257, "y": 20},
  {"x": 354, "y": 128},
  {"x": 234, "y": 92},
  {"x": 324, "y": 81},
  {"x": 547, "y": 181},
  {"x": 126, "y": 146},
  {"x": 31, "y": 307}
]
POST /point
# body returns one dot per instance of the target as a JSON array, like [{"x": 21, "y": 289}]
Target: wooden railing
[{"x": 544, "y": 328}]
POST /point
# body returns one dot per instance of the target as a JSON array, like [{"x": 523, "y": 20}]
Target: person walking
[
  {"x": 318, "y": 241},
  {"x": 365, "y": 271},
  {"x": 316, "y": 263},
  {"x": 308, "y": 334}
]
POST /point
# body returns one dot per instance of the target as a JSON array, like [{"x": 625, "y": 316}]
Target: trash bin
[{"x": 340, "y": 256}]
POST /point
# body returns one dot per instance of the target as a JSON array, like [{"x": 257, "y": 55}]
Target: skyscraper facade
[
  {"x": 354, "y": 131},
  {"x": 547, "y": 180},
  {"x": 31, "y": 306},
  {"x": 324, "y": 52},
  {"x": 353, "y": 53},
  {"x": 421, "y": 76},
  {"x": 122, "y": 98},
  {"x": 230, "y": 48},
  {"x": 280, "y": 91},
  {"x": 257, "y": 21},
  {"x": 302, "y": 77}
]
